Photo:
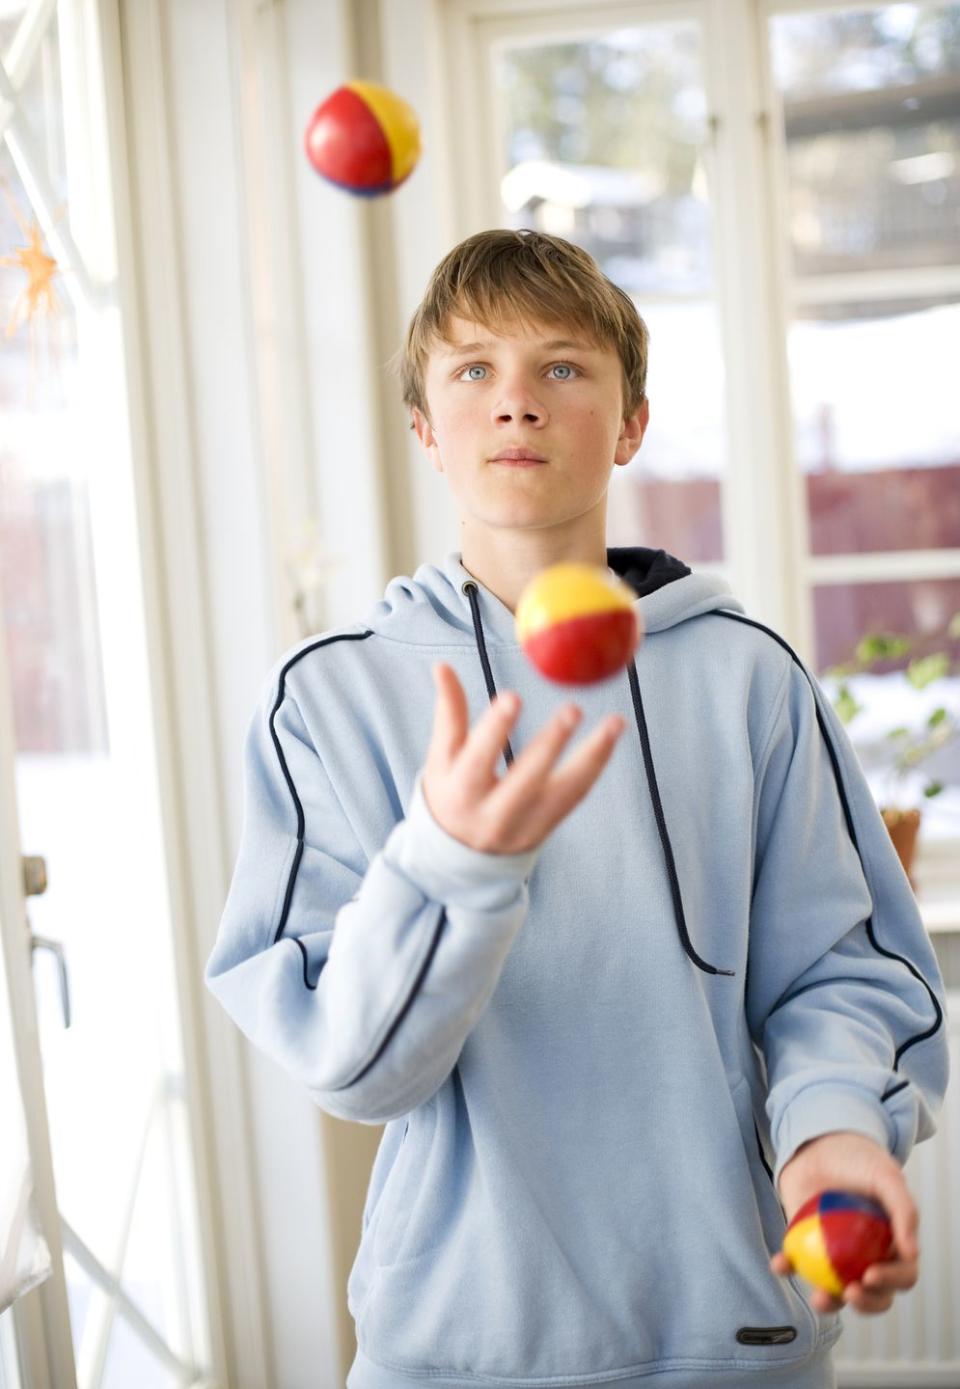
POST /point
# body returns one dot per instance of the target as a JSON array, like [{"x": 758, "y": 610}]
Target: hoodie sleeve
[
  {"x": 362, "y": 979},
  {"x": 844, "y": 994}
]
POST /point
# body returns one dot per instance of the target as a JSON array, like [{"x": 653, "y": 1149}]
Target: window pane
[
  {"x": 669, "y": 495},
  {"x": 921, "y": 610},
  {"x": 871, "y": 104},
  {"x": 604, "y": 146},
  {"x": 877, "y": 426},
  {"x": 604, "y": 142},
  {"x": 10, "y": 18}
]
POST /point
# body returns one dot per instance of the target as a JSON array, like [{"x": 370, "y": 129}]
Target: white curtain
[{"x": 24, "y": 1257}]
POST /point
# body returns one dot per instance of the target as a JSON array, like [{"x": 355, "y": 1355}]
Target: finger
[
  {"x": 526, "y": 775},
  {"x": 895, "y": 1196},
  {"x": 906, "y": 1221},
  {"x": 451, "y": 716},
  {"x": 825, "y": 1302},
  {"x": 820, "y": 1300},
  {"x": 855, "y": 1296},
  {"x": 888, "y": 1277},
  {"x": 485, "y": 744},
  {"x": 573, "y": 780}
]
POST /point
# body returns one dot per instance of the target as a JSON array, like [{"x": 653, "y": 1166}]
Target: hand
[
  {"x": 852, "y": 1162},
  {"x": 516, "y": 812}
]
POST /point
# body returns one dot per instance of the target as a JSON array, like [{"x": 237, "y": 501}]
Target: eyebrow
[{"x": 458, "y": 349}]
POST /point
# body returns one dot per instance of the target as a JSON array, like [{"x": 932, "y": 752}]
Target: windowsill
[
  {"x": 940, "y": 917},
  {"x": 937, "y": 875}
]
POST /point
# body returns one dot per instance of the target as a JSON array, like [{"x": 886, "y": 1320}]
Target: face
[{"x": 541, "y": 388}]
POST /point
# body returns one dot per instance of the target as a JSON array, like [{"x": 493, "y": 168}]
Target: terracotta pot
[{"x": 903, "y": 827}]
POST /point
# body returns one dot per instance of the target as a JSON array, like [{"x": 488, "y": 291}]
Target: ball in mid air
[
  {"x": 577, "y": 623},
  {"x": 835, "y": 1237},
  {"x": 364, "y": 138}
]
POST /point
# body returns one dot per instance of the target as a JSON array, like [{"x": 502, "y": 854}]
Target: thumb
[
  {"x": 904, "y": 1217},
  {"x": 905, "y": 1231}
]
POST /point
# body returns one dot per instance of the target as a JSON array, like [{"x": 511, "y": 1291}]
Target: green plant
[{"x": 908, "y": 746}]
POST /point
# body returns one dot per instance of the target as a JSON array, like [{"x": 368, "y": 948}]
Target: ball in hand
[
  {"x": 363, "y": 138},
  {"x": 835, "y": 1237},
  {"x": 577, "y": 623}
]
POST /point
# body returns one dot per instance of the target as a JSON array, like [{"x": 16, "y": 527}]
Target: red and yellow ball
[
  {"x": 835, "y": 1237},
  {"x": 577, "y": 623},
  {"x": 364, "y": 138}
]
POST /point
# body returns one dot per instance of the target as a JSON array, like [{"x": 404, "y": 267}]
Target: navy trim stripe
[
  {"x": 288, "y": 896},
  {"x": 281, "y": 695},
  {"x": 291, "y": 880},
  {"x": 405, "y": 1006},
  {"x": 838, "y": 778}
]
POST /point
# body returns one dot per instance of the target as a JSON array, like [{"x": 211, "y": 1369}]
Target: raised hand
[{"x": 515, "y": 812}]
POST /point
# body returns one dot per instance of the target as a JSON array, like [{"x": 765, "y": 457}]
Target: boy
[{"x": 586, "y": 998}]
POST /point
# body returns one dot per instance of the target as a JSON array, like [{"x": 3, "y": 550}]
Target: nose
[{"x": 518, "y": 402}]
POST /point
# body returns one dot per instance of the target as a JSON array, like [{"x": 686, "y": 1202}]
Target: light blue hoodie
[{"x": 587, "y": 1056}]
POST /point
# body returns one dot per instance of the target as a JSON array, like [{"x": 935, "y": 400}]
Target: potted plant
[{"x": 907, "y": 747}]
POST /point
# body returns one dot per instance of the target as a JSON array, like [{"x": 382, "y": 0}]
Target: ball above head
[
  {"x": 364, "y": 139},
  {"x": 835, "y": 1237},
  {"x": 577, "y": 623}
]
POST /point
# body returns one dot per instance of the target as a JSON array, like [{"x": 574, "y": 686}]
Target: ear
[
  {"x": 631, "y": 434},
  {"x": 428, "y": 440}
]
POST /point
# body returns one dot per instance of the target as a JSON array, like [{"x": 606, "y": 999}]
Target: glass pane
[
  {"x": 871, "y": 102},
  {"x": 41, "y": 107},
  {"x": 79, "y": 1291},
  {"x": 877, "y": 427},
  {"x": 921, "y": 610},
  {"x": 131, "y": 1362},
  {"x": 88, "y": 804},
  {"x": 11, "y": 13},
  {"x": 668, "y": 496},
  {"x": 604, "y": 142}
]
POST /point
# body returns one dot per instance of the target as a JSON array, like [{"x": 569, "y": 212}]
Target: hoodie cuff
[
  {"x": 822, "y": 1109},
  {"x": 449, "y": 871}
]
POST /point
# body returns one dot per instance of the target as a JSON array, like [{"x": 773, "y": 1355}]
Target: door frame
[
  {"x": 183, "y": 693},
  {"x": 41, "y": 1317}
]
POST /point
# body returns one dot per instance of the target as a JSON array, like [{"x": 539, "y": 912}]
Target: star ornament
[{"x": 38, "y": 295}]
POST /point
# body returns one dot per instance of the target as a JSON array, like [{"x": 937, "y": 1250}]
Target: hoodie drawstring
[{"x": 469, "y": 587}]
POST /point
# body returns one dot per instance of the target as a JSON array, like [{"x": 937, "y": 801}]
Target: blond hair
[{"x": 501, "y": 277}]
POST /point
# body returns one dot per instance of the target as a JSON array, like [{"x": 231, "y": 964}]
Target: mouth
[{"x": 518, "y": 458}]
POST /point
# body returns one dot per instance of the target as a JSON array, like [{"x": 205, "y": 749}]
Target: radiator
[{"x": 917, "y": 1342}]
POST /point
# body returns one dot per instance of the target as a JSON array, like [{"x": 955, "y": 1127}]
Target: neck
[{"x": 506, "y": 561}]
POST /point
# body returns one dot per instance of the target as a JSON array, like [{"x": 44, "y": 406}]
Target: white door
[{"x": 110, "y": 1130}]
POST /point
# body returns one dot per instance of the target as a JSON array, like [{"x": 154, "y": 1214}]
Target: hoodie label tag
[{"x": 766, "y": 1335}]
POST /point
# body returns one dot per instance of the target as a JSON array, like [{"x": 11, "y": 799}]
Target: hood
[{"x": 668, "y": 593}]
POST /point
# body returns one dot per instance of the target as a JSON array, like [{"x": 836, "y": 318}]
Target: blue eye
[{"x": 478, "y": 366}]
